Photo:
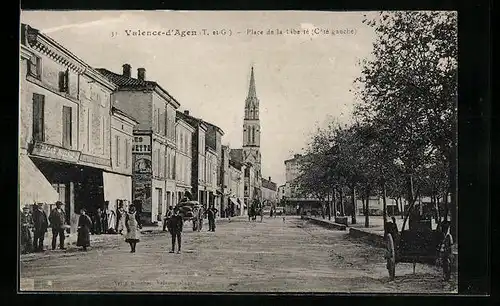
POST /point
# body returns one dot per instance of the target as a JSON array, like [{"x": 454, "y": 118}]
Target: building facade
[
  {"x": 281, "y": 193},
  {"x": 269, "y": 192},
  {"x": 119, "y": 179},
  {"x": 224, "y": 183},
  {"x": 65, "y": 126},
  {"x": 295, "y": 200},
  {"x": 183, "y": 158},
  {"x": 154, "y": 185},
  {"x": 198, "y": 157},
  {"x": 236, "y": 188},
  {"x": 211, "y": 177},
  {"x": 214, "y": 141}
]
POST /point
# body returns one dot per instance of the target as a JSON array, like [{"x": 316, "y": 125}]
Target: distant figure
[
  {"x": 121, "y": 219},
  {"x": 57, "y": 220},
  {"x": 175, "y": 224},
  {"x": 84, "y": 225},
  {"x": 211, "y": 213},
  {"x": 104, "y": 218},
  {"x": 40, "y": 225},
  {"x": 98, "y": 222},
  {"x": 271, "y": 213},
  {"x": 132, "y": 236}
]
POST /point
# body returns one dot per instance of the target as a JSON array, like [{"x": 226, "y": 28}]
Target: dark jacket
[
  {"x": 57, "y": 219},
  {"x": 211, "y": 213},
  {"x": 175, "y": 224},
  {"x": 40, "y": 222}
]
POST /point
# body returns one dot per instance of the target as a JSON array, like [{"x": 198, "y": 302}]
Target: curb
[
  {"x": 377, "y": 240},
  {"x": 326, "y": 224},
  {"x": 368, "y": 237}
]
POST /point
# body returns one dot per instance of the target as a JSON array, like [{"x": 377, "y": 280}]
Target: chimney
[
  {"x": 141, "y": 74},
  {"x": 126, "y": 70},
  {"x": 186, "y": 112}
]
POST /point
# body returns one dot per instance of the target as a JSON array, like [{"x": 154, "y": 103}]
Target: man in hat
[
  {"x": 57, "y": 220},
  {"x": 211, "y": 213},
  {"x": 175, "y": 225},
  {"x": 40, "y": 225},
  {"x": 26, "y": 225}
]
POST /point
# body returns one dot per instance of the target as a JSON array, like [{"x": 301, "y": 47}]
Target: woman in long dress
[
  {"x": 121, "y": 219},
  {"x": 84, "y": 225},
  {"x": 132, "y": 236}
]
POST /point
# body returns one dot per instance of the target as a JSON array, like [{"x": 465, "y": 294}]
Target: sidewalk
[{"x": 374, "y": 234}]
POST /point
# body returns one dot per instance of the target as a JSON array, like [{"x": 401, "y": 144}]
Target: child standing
[{"x": 132, "y": 236}]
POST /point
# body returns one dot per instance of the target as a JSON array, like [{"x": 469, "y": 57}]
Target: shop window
[{"x": 38, "y": 117}]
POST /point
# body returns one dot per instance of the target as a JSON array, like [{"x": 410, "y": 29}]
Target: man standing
[
  {"x": 57, "y": 220},
  {"x": 26, "y": 225},
  {"x": 175, "y": 224},
  {"x": 167, "y": 217},
  {"x": 40, "y": 225},
  {"x": 211, "y": 213}
]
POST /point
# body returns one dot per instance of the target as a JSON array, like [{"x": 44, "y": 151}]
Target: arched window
[
  {"x": 249, "y": 134},
  {"x": 251, "y": 113},
  {"x": 256, "y": 113},
  {"x": 253, "y": 134}
]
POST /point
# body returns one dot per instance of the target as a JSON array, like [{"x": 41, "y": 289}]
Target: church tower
[{"x": 251, "y": 131}]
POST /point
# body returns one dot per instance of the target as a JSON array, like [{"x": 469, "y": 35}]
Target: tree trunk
[
  {"x": 334, "y": 204},
  {"x": 384, "y": 203},
  {"x": 329, "y": 206},
  {"x": 353, "y": 195},
  {"x": 341, "y": 202},
  {"x": 402, "y": 204},
  {"x": 411, "y": 201},
  {"x": 446, "y": 206},
  {"x": 438, "y": 212},
  {"x": 453, "y": 198},
  {"x": 367, "y": 209}
]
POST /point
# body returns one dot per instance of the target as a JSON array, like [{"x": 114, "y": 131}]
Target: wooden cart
[
  {"x": 195, "y": 215},
  {"x": 420, "y": 244}
]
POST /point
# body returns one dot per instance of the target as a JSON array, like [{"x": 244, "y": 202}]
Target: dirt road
[{"x": 240, "y": 256}]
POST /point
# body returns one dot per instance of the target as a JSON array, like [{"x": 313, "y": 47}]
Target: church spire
[{"x": 251, "y": 89}]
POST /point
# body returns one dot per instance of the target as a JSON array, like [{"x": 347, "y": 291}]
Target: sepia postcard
[{"x": 258, "y": 151}]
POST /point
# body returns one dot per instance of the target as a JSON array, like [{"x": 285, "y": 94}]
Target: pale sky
[{"x": 302, "y": 81}]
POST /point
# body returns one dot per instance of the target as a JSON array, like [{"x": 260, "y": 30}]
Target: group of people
[{"x": 35, "y": 224}]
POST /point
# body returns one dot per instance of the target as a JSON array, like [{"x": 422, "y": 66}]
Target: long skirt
[{"x": 83, "y": 239}]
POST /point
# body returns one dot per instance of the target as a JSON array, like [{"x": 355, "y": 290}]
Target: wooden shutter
[
  {"x": 66, "y": 126},
  {"x": 62, "y": 79},
  {"x": 38, "y": 117}
]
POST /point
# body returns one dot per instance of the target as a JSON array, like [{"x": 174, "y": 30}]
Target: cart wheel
[{"x": 390, "y": 257}]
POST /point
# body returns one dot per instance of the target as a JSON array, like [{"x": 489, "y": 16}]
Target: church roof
[{"x": 236, "y": 155}]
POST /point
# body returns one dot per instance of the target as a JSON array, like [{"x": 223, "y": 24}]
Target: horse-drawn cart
[
  {"x": 192, "y": 211},
  {"x": 418, "y": 244}
]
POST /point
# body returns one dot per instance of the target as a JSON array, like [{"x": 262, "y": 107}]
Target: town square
[{"x": 249, "y": 153}]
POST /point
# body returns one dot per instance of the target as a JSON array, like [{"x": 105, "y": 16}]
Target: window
[
  {"x": 63, "y": 81},
  {"x": 66, "y": 118},
  {"x": 89, "y": 128},
  {"x": 253, "y": 134},
  {"x": 38, "y": 117},
  {"x": 249, "y": 134},
  {"x": 117, "y": 142},
  {"x": 127, "y": 153},
  {"x": 103, "y": 136},
  {"x": 182, "y": 142},
  {"x": 35, "y": 67}
]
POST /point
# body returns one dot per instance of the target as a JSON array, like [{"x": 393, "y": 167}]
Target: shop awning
[{"x": 33, "y": 185}]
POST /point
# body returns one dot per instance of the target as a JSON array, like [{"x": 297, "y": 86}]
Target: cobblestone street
[{"x": 240, "y": 256}]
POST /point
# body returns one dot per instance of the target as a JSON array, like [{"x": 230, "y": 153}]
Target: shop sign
[
  {"x": 47, "y": 150},
  {"x": 95, "y": 160},
  {"x": 141, "y": 144},
  {"x": 142, "y": 164}
]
